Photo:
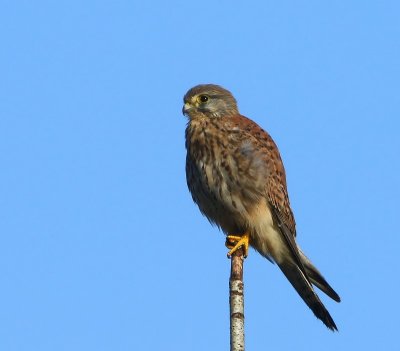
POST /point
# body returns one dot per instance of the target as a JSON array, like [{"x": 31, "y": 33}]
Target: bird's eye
[{"x": 203, "y": 98}]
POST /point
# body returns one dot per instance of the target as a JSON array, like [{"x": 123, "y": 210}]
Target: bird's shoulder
[{"x": 261, "y": 140}]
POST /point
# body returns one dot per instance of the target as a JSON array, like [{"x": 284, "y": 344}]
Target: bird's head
[{"x": 209, "y": 100}]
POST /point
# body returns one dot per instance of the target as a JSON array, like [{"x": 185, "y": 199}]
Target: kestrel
[{"x": 236, "y": 176}]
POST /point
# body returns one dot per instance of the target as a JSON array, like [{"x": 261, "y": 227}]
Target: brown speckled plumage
[{"x": 236, "y": 176}]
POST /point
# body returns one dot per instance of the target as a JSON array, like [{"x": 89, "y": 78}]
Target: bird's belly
[
  {"x": 230, "y": 210},
  {"x": 221, "y": 197}
]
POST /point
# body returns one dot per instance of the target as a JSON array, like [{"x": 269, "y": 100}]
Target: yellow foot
[{"x": 233, "y": 242}]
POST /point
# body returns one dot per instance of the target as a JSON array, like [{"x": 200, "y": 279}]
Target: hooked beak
[{"x": 186, "y": 107}]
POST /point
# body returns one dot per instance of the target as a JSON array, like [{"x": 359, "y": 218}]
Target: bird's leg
[{"x": 234, "y": 242}]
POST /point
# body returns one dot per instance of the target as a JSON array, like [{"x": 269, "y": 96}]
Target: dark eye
[{"x": 203, "y": 98}]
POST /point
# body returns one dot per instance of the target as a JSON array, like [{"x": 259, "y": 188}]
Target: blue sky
[{"x": 101, "y": 245}]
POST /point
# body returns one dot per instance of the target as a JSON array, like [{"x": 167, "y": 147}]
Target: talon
[{"x": 234, "y": 242}]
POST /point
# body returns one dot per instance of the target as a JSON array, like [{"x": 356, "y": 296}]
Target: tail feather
[
  {"x": 299, "y": 281},
  {"x": 317, "y": 279}
]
